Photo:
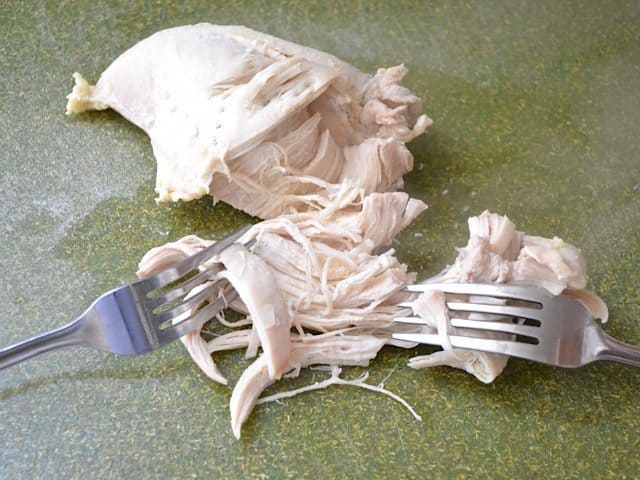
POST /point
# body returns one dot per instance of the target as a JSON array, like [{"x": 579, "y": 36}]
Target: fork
[
  {"x": 141, "y": 316},
  {"x": 552, "y": 329}
]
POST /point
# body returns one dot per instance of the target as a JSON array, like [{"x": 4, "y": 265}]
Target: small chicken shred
[{"x": 266, "y": 125}]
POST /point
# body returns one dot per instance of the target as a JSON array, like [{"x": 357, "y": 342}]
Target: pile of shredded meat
[
  {"x": 317, "y": 149},
  {"x": 313, "y": 289},
  {"x": 315, "y": 292}
]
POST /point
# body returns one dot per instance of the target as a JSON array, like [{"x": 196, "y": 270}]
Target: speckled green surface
[{"x": 536, "y": 108}]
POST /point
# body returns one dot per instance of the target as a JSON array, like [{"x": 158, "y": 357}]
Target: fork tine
[
  {"x": 501, "y": 347},
  {"x": 516, "y": 292},
  {"x": 184, "y": 287},
  {"x": 513, "y": 328},
  {"x": 189, "y": 303},
  {"x": 189, "y": 284},
  {"x": 411, "y": 320},
  {"x": 426, "y": 338},
  {"x": 408, "y": 304},
  {"x": 503, "y": 310},
  {"x": 198, "y": 319},
  {"x": 183, "y": 267}
]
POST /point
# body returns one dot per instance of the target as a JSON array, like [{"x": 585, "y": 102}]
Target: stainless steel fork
[
  {"x": 557, "y": 330},
  {"x": 142, "y": 316}
]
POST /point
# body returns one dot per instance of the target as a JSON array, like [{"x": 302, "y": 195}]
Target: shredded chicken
[
  {"x": 341, "y": 297},
  {"x": 497, "y": 252},
  {"x": 263, "y": 124},
  {"x": 335, "y": 379}
]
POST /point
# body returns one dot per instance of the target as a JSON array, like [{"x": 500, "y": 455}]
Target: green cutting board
[{"x": 536, "y": 108}]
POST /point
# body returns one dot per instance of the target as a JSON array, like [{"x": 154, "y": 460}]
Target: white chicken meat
[
  {"x": 498, "y": 253},
  {"x": 341, "y": 297},
  {"x": 312, "y": 288},
  {"x": 264, "y": 124}
]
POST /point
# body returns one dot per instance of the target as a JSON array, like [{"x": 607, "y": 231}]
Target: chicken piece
[
  {"x": 497, "y": 252},
  {"x": 261, "y": 123},
  {"x": 253, "y": 281},
  {"x": 316, "y": 273},
  {"x": 253, "y": 381},
  {"x": 432, "y": 307}
]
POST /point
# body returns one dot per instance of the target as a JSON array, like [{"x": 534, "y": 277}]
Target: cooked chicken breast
[{"x": 263, "y": 124}]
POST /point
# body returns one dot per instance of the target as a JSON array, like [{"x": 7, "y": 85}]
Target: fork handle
[
  {"x": 618, "y": 351},
  {"x": 63, "y": 337}
]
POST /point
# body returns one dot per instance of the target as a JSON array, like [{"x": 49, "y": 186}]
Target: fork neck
[
  {"x": 617, "y": 351},
  {"x": 66, "y": 336}
]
